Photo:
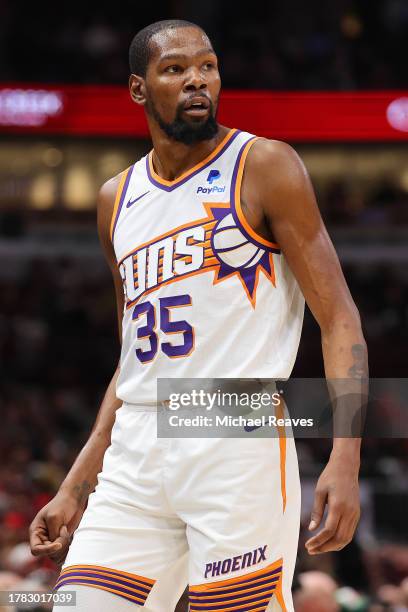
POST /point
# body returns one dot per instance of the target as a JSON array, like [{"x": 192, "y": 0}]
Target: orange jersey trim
[
  {"x": 282, "y": 452},
  {"x": 279, "y": 597},
  {"x": 237, "y": 199},
  {"x": 107, "y": 570},
  {"x": 118, "y": 197}
]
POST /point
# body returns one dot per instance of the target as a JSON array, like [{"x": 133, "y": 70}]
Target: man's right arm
[{"x": 53, "y": 526}]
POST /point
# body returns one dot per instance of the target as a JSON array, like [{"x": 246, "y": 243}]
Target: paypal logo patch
[{"x": 213, "y": 175}]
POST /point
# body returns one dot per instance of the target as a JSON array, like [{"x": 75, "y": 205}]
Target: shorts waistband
[{"x": 140, "y": 407}]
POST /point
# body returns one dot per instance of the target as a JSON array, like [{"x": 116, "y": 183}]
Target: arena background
[{"x": 331, "y": 79}]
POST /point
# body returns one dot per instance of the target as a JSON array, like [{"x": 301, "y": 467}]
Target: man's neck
[{"x": 171, "y": 159}]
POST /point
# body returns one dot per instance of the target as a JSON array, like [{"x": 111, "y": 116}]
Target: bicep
[{"x": 315, "y": 265}]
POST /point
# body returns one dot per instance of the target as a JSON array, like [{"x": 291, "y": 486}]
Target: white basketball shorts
[{"x": 219, "y": 514}]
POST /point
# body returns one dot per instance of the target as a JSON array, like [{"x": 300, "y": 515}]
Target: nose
[{"x": 195, "y": 80}]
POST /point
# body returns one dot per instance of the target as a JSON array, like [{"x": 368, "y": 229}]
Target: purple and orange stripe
[
  {"x": 249, "y": 593},
  {"x": 132, "y": 587}
]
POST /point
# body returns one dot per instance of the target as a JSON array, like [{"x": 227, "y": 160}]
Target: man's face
[{"x": 183, "y": 84}]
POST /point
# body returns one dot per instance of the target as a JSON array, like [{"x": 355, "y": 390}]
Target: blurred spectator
[
  {"x": 317, "y": 593},
  {"x": 318, "y": 582},
  {"x": 315, "y": 601}
]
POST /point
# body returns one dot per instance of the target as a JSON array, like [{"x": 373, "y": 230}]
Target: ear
[{"x": 137, "y": 89}]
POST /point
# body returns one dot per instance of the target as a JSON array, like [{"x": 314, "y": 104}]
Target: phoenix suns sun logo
[{"x": 214, "y": 243}]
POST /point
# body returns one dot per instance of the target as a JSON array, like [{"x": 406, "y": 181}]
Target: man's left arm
[{"x": 278, "y": 200}]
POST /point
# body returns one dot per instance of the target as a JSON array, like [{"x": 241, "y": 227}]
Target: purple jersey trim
[
  {"x": 187, "y": 178},
  {"x": 233, "y": 204}
]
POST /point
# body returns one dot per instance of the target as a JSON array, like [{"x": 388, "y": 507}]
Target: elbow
[{"x": 344, "y": 321}]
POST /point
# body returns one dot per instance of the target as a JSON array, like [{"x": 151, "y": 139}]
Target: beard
[{"x": 187, "y": 132}]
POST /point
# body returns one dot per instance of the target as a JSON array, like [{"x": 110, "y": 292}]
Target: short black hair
[{"x": 139, "y": 51}]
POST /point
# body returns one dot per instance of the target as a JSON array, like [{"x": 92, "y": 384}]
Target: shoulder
[
  {"x": 275, "y": 176},
  {"x": 107, "y": 197},
  {"x": 106, "y": 205},
  {"x": 108, "y": 191},
  {"x": 274, "y": 159}
]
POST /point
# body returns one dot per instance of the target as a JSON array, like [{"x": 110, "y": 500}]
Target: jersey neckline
[{"x": 166, "y": 185}]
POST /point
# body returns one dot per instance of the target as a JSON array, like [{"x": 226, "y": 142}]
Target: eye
[
  {"x": 209, "y": 65},
  {"x": 173, "y": 69}
]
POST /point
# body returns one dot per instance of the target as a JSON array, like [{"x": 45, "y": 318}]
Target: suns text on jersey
[{"x": 156, "y": 263}]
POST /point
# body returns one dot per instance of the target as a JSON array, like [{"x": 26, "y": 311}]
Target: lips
[{"x": 197, "y": 105}]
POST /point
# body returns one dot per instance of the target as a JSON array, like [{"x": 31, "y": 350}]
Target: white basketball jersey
[{"x": 205, "y": 296}]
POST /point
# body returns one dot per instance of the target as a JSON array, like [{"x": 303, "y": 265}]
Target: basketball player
[{"x": 214, "y": 240}]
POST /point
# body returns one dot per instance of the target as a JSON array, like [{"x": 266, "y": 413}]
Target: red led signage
[{"x": 297, "y": 117}]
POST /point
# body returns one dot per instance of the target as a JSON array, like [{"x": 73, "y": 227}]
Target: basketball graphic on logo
[{"x": 231, "y": 246}]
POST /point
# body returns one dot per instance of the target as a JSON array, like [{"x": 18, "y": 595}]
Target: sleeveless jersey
[{"x": 205, "y": 296}]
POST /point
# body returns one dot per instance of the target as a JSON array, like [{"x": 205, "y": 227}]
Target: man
[{"x": 212, "y": 239}]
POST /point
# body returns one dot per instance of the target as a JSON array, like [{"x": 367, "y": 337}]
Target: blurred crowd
[
  {"x": 58, "y": 349},
  {"x": 344, "y": 44},
  {"x": 386, "y": 205}
]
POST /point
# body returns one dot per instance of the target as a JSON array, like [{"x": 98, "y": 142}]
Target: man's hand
[
  {"x": 53, "y": 526},
  {"x": 338, "y": 488}
]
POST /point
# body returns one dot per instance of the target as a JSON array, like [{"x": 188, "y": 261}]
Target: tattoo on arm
[{"x": 359, "y": 368}]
